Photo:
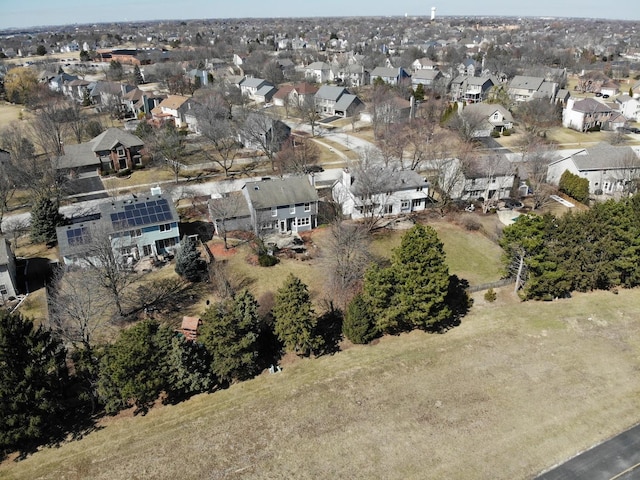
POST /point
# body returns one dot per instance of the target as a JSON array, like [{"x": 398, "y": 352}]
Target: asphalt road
[{"x": 616, "y": 459}]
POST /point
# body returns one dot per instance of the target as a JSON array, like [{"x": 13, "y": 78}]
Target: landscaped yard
[{"x": 515, "y": 389}]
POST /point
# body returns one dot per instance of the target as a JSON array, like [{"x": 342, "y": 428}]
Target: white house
[
  {"x": 8, "y": 288},
  {"x": 586, "y": 114},
  {"x": 629, "y": 107},
  {"x": 380, "y": 192},
  {"x": 495, "y": 115},
  {"x": 609, "y": 169}
]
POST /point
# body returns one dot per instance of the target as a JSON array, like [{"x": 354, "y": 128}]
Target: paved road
[{"x": 616, "y": 459}]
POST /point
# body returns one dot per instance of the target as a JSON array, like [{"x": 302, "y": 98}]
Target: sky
[{"x": 28, "y": 13}]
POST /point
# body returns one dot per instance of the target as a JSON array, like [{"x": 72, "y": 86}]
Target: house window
[
  {"x": 121, "y": 152},
  {"x": 266, "y": 226},
  {"x": 388, "y": 209},
  {"x": 164, "y": 243},
  {"x": 292, "y": 209},
  {"x": 303, "y": 221},
  {"x": 3, "y": 289},
  {"x": 307, "y": 207},
  {"x": 404, "y": 204},
  {"x": 125, "y": 250},
  {"x": 165, "y": 227},
  {"x": 135, "y": 233},
  {"x": 147, "y": 250},
  {"x": 274, "y": 211},
  {"x": 419, "y": 189}
]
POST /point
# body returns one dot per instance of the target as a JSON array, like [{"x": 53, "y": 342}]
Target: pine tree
[
  {"x": 137, "y": 76},
  {"x": 230, "y": 332},
  {"x": 359, "y": 323},
  {"x": 33, "y": 378},
  {"x": 45, "y": 217},
  {"x": 188, "y": 262},
  {"x": 135, "y": 369},
  {"x": 412, "y": 291},
  {"x": 295, "y": 321},
  {"x": 419, "y": 92}
]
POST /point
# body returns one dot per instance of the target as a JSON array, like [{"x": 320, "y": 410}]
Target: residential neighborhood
[{"x": 332, "y": 246}]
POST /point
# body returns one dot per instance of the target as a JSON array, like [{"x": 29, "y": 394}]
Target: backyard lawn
[{"x": 516, "y": 388}]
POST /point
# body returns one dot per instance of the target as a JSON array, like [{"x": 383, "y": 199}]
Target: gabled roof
[
  {"x": 278, "y": 192},
  {"x": 173, "y": 102},
  {"x": 488, "y": 109},
  {"x": 329, "y": 92},
  {"x": 522, "y": 82},
  {"x": 346, "y": 101},
  {"x": 305, "y": 88},
  {"x": 426, "y": 74},
  {"x": 395, "y": 181},
  {"x": 5, "y": 251},
  {"x": 75, "y": 156},
  {"x": 318, "y": 66},
  {"x": 589, "y": 105},
  {"x": 385, "y": 72},
  {"x": 266, "y": 91},
  {"x": 283, "y": 91},
  {"x": 252, "y": 82},
  {"x": 112, "y": 137},
  {"x": 604, "y": 156}
]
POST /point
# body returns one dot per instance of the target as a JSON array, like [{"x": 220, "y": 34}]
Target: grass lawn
[{"x": 515, "y": 389}]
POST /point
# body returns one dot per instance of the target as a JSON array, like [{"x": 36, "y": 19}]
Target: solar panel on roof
[{"x": 142, "y": 213}]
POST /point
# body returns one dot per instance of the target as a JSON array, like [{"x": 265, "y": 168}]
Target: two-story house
[
  {"x": 254, "y": 88},
  {"x": 113, "y": 149},
  {"x": 172, "y": 109},
  {"x": 586, "y": 114},
  {"x": 609, "y": 169},
  {"x": 495, "y": 116},
  {"x": 338, "y": 101},
  {"x": 135, "y": 227},
  {"x": 391, "y": 193},
  {"x": 523, "y": 88},
  {"x": 319, "y": 72},
  {"x": 465, "y": 88},
  {"x": 426, "y": 77},
  {"x": 390, "y": 75},
  {"x": 280, "y": 205},
  {"x": 629, "y": 107}
]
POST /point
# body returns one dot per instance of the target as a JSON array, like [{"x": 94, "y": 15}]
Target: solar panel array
[
  {"x": 142, "y": 213},
  {"x": 78, "y": 236}
]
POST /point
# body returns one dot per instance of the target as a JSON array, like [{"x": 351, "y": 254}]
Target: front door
[{"x": 283, "y": 226}]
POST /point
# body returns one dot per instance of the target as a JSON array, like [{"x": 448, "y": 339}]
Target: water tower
[{"x": 433, "y": 13}]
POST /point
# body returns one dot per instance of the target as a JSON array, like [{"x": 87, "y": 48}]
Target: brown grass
[{"x": 516, "y": 388}]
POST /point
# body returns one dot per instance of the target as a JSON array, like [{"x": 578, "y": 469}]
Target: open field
[
  {"x": 515, "y": 389},
  {"x": 10, "y": 113}
]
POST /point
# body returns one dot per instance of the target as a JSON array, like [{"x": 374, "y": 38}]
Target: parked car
[
  {"x": 512, "y": 203},
  {"x": 313, "y": 169}
]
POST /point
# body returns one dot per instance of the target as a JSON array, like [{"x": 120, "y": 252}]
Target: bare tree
[
  {"x": 47, "y": 128},
  {"x": 101, "y": 252},
  {"x": 307, "y": 111},
  {"x": 536, "y": 158},
  {"x": 347, "y": 256},
  {"x": 265, "y": 134},
  {"x": 224, "y": 209},
  {"x": 217, "y": 126},
  {"x": 168, "y": 143},
  {"x": 78, "y": 307},
  {"x": 74, "y": 120},
  {"x": 297, "y": 155},
  {"x": 467, "y": 123},
  {"x": 538, "y": 115}
]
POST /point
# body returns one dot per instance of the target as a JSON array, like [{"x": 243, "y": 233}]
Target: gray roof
[
  {"x": 266, "y": 91},
  {"x": 329, "y": 92},
  {"x": 253, "y": 82},
  {"x": 385, "y": 72},
  {"x": 526, "y": 83},
  {"x": 346, "y": 101},
  {"x": 75, "y": 156},
  {"x": 5, "y": 250},
  {"x": 110, "y": 138},
  {"x": 488, "y": 109},
  {"x": 589, "y": 105},
  {"x": 394, "y": 181},
  {"x": 318, "y": 66},
  {"x": 426, "y": 74},
  {"x": 281, "y": 191},
  {"x": 605, "y": 156}
]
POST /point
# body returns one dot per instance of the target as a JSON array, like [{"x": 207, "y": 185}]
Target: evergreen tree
[
  {"x": 412, "y": 291},
  {"x": 135, "y": 369},
  {"x": 295, "y": 321},
  {"x": 45, "y": 217},
  {"x": 419, "y": 92},
  {"x": 137, "y": 76},
  {"x": 188, "y": 262},
  {"x": 230, "y": 332},
  {"x": 359, "y": 323},
  {"x": 86, "y": 98},
  {"x": 189, "y": 369},
  {"x": 33, "y": 378},
  {"x": 574, "y": 186}
]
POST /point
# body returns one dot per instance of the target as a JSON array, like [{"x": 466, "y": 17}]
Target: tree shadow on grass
[{"x": 458, "y": 300}]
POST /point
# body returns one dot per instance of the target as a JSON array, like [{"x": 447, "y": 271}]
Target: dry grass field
[{"x": 515, "y": 389}]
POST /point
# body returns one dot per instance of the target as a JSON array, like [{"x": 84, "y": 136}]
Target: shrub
[
  {"x": 124, "y": 172},
  {"x": 490, "y": 295},
  {"x": 470, "y": 223},
  {"x": 495, "y": 134},
  {"x": 266, "y": 260},
  {"x": 506, "y": 132}
]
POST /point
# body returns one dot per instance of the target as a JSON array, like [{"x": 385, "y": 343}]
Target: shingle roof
[
  {"x": 346, "y": 101},
  {"x": 108, "y": 139},
  {"x": 329, "y": 92},
  {"x": 277, "y": 192},
  {"x": 526, "y": 83},
  {"x": 173, "y": 102},
  {"x": 605, "y": 156},
  {"x": 589, "y": 105}
]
